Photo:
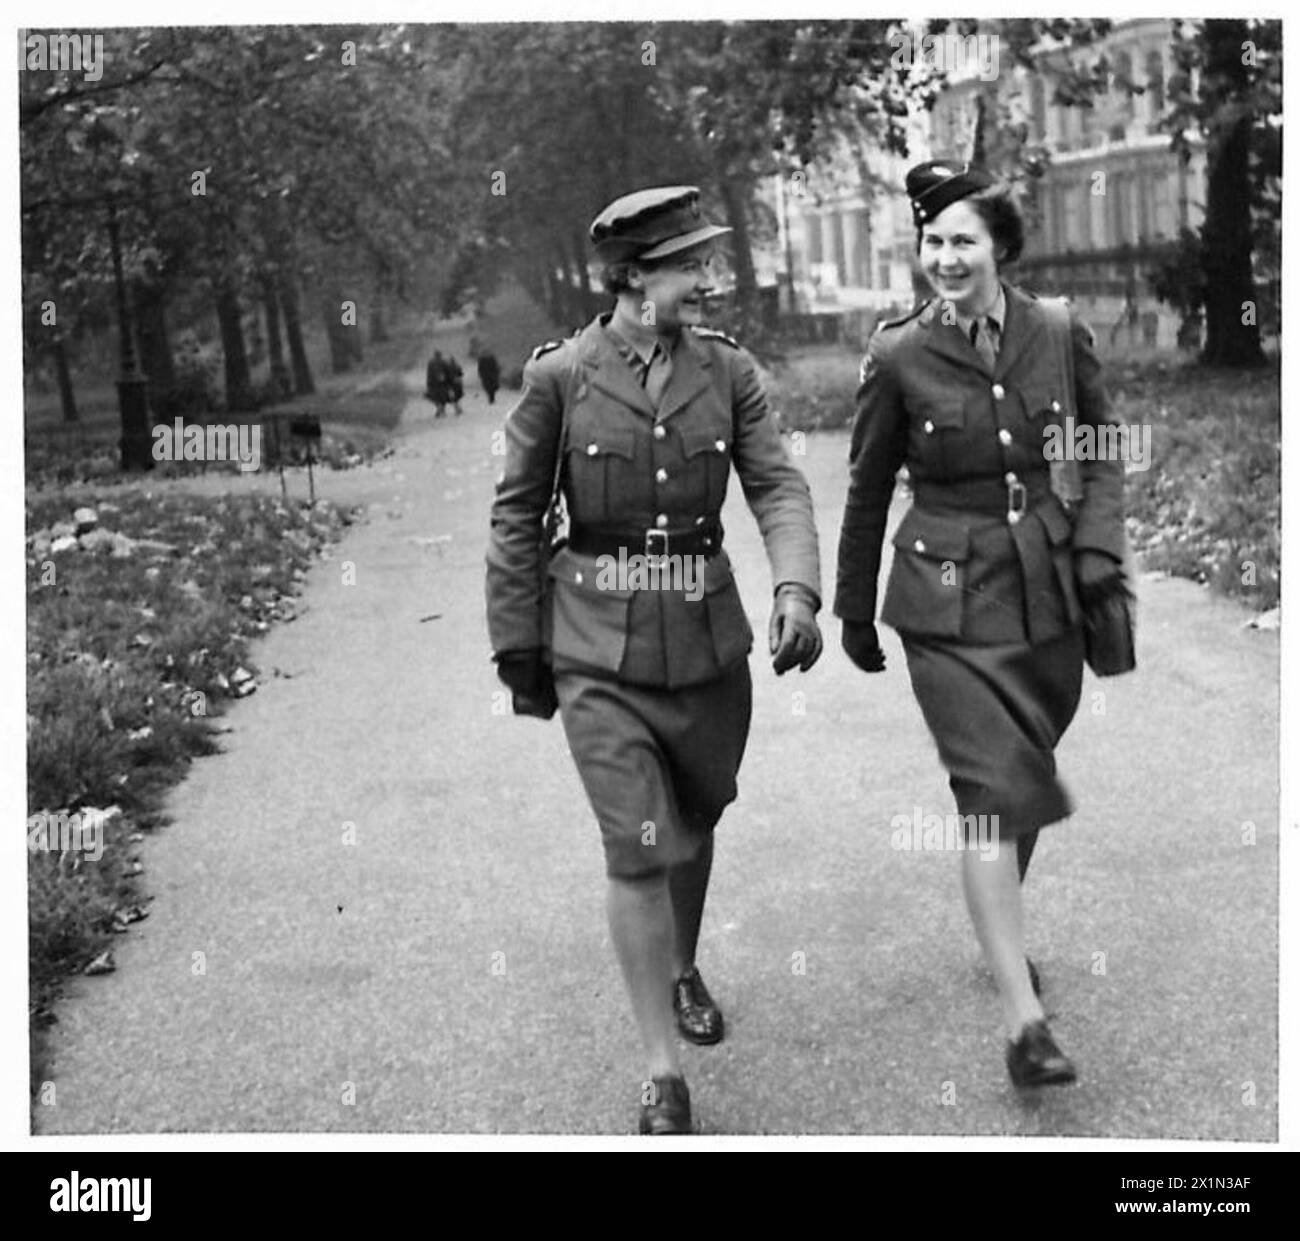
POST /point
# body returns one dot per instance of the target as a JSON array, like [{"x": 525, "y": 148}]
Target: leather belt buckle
[
  {"x": 656, "y": 544},
  {"x": 1017, "y": 498}
]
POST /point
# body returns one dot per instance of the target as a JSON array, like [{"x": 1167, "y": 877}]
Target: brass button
[
  {"x": 661, "y": 476},
  {"x": 929, "y": 427},
  {"x": 721, "y": 445},
  {"x": 577, "y": 577},
  {"x": 699, "y": 521},
  {"x": 660, "y": 431},
  {"x": 1009, "y": 479},
  {"x": 998, "y": 392},
  {"x": 592, "y": 450},
  {"x": 1014, "y": 517},
  {"x": 1056, "y": 407},
  {"x": 662, "y": 521},
  {"x": 919, "y": 545},
  {"x": 1004, "y": 435}
]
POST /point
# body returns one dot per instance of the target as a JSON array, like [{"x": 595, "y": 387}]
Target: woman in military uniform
[
  {"x": 641, "y": 416},
  {"x": 994, "y": 555}
]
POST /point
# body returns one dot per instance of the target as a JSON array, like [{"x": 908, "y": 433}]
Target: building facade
[{"x": 1109, "y": 205}]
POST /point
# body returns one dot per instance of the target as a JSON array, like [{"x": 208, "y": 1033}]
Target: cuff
[{"x": 807, "y": 594}]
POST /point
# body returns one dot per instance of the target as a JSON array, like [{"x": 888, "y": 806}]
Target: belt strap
[
  {"x": 1010, "y": 496},
  {"x": 705, "y": 540}
]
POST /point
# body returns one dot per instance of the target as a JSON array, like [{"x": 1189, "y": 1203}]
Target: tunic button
[
  {"x": 577, "y": 577},
  {"x": 699, "y": 521},
  {"x": 592, "y": 450},
  {"x": 660, "y": 432},
  {"x": 1005, "y": 436},
  {"x": 661, "y": 476},
  {"x": 998, "y": 392},
  {"x": 1009, "y": 479},
  {"x": 919, "y": 545},
  {"x": 662, "y": 521},
  {"x": 929, "y": 427},
  {"x": 721, "y": 445},
  {"x": 1056, "y": 407}
]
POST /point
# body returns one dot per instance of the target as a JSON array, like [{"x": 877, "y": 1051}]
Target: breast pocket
[
  {"x": 938, "y": 427},
  {"x": 600, "y": 474},
  {"x": 708, "y": 461},
  {"x": 928, "y": 581}
]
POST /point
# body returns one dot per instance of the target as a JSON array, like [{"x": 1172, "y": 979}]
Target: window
[{"x": 1155, "y": 85}]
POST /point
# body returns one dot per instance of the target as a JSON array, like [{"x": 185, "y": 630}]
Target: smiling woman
[
  {"x": 637, "y": 422},
  {"x": 997, "y": 556}
]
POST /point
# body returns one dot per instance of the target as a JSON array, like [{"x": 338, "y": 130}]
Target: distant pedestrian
[
  {"x": 438, "y": 382},
  {"x": 489, "y": 373}
]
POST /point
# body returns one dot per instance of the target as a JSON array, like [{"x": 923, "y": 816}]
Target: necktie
[
  {"x": 985, "y": 342},
  {"x": 657, "y": 372}
]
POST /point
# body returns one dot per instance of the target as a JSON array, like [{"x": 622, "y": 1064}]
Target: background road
[{"x": 451, "y": 972}]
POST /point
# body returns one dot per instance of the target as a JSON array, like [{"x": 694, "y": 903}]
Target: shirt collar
[
  {"x": 633, "y": 352},
  {"x": 998, "y": 313}
]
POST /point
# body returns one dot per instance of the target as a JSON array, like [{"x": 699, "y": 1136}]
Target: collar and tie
[
  {"x": 985, "y": 336},
  {"x": 653, "y": 370}
]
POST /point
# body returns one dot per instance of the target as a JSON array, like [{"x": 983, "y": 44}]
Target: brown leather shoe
[
  {"x": 698, "y": 1018},
  {"x": 1034, "y": 1059},
  {"x": 669, "y": 1109}
]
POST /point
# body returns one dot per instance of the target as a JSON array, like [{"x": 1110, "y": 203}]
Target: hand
[
  {"x": 1097, "y": 574},
  {"x": 530, "y": 682},
  {"x": 793, "y": 636},
  {"x": 862, "y": 645}
]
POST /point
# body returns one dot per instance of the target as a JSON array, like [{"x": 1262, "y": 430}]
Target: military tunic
[
  {"x": 653, "y": 685},
  {"x": 982, "y": 588}
]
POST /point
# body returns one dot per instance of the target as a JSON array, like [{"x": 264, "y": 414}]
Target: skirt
[
  {"x": 659, "y": 766},
  {"x": 996, "y": 714}
]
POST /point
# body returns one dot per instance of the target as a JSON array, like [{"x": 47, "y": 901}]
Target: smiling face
[
  {"x": 960, "y": 258},
  {"x": 675, "y": 288}
]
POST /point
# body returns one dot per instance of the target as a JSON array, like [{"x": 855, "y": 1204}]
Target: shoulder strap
[
  {"x": 555, "y": 509},
  {"x": 1067, "y": 482}
]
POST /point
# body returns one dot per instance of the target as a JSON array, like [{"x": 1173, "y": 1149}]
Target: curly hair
[
  {"x": 614, "y": 276},
  {"x": 1002, "y": 217}
]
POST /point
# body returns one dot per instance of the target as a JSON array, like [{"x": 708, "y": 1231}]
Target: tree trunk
[
  {"x": 302, "y": 380},
  {"x": 67, "y": 399},
  {"x": 239, "y": 383},
  {"x": 735, "y": 198},
  {"x": 1226, "y": 234},
  {"x": 155, "y": 347},
  {"x": 281, "y": 384}
]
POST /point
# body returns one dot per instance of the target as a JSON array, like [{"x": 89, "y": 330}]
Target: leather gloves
[
  {"x": 530, "y": 682},
  {"x": 862, "y": 645},
  {"x": 1098, "y": 576},
  {"x": 793, "y": 636}
]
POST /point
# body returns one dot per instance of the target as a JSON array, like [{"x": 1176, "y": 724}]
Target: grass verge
[{"x": 135, "y": 645}]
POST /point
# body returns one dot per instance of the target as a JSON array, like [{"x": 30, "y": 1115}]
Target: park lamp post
[{"x": 132, "y": 385}]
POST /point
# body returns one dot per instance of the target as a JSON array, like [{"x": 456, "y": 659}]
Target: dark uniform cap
[
  {"x": 650, "y": 224},
  {"x": 940, "y": 183}
]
